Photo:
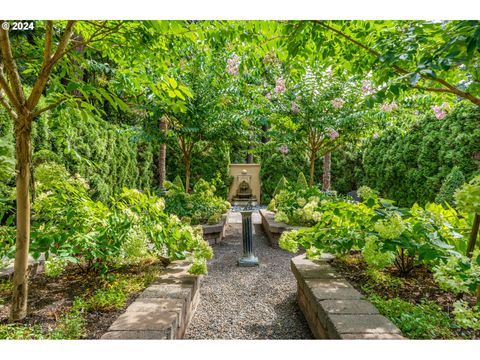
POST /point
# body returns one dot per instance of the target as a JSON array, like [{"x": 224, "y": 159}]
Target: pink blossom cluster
[
  {"x": 332, "y": 133},
  {"x": 283, "y": 149},
  {"x": 389, "y": 107},
  {"x": 337, "y": 103},
  {"x": 295, "y": 108},
  {"x": 233, "y": 65},
  {"x": 280, "y": 86},
  {"x": 439, "y": 111},
  {"x": 367, "y": 87}
]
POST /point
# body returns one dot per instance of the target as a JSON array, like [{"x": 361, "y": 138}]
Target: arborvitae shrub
[
  {"x": 451, "y": 183},
  {"x": 409, "y": 165},
  {"x": 178, "y": 183},
  {"x": 302, "y": 181},
  {"x": 282, "y": 184}
]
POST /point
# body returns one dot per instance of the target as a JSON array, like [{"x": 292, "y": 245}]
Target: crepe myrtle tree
[
  {"x": 322, "y": 110},
  {"x": 202, "y": 123},
  {"x": 433, "y": 57},
  {"x": 40, "y": 71},
  {"x": 23, "y": 109},
  {"x": 250, "y": 75}
]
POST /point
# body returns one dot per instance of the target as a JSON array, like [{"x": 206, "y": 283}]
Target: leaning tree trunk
[
  {"x": 20, "y": 272},
  {"x": 163, "y": 155},
  {"x": 327, "y": 168},
  {"x": 473, "y": 235}
]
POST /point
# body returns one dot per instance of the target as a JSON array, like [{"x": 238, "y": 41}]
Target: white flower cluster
[
  {"x": 309, "y": 212},
  {"x": 390, "y": 228}
]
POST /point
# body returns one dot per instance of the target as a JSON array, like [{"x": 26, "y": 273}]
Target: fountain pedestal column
[{"x": 248, "y": 258}]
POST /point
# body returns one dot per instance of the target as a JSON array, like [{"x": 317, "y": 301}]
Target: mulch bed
[
  {"x": 49, "y": 298},
  {"x": 416, "y": 287}
]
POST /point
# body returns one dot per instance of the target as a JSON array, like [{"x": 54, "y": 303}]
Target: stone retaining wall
[
  {"x": 34, "y": 267},
  {"x": 163, "y": 310},
  {"x": 272, "y": 228},
  {"x": 215, "y": 233},
  {"x": 333, "y": 308}
]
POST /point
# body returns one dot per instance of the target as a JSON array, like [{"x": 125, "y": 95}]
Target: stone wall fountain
[{"x": 245, "y": 189}]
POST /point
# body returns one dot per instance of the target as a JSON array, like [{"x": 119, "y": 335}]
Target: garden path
[{"x": 248, "y": 303}]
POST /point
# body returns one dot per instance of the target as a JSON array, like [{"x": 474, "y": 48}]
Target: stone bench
[
  {"x": 215, "y": 233},
  {"x": 333, "y": 308},
  {"x": 161, "y": 311},
  {"x": 274, "y": 229}
]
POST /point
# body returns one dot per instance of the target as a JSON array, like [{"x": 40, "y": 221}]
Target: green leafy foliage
[
  {"x": 373, "y": 256},
  {"x": 451, "y": 183},
  {"x": 71, "y": 325},
  {"x": 299, "y": 206},
  {"x": 275, "y": 165},
  {"x": 108, "y": 299},
  {"x": 465, "y": 316},
  {"x": 409, "y": 163},
  {"x": 7, "y": 162},
  {"x": 70, "y": 225},
  {"x": 20, "y": 332},
  {"x": 468, "y": 196},
  {"x": 416, "y": 321},
  {"x": 383, "y": 232},
  {"x": 54, "y": 267},
  {"x": 199, "y": 207},
  {"x": 109, "y": 156},
  {"x": 458, "y": 275}
]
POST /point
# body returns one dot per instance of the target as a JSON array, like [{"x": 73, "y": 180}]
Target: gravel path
[{"x": 248, "y": 303}]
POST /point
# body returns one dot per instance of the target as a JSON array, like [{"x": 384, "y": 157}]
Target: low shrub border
[
  {"x": 163, "y": 310},
  {"x": 274, "y": 229},
  {"x": 333, "y": 308}
]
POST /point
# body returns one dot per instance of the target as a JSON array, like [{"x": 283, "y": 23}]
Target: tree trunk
[
  {"x": 249, "y": 154},
  {"x": 473, "y": 235},
  {"x": 187, "y": 174},
  {"x": 327, "y": 168},
  {"x": 312, "y": 168},
  {"x": 163, "y": 155},
  {"x": 265, "y": 139},
  {"x": 20, "y": 274}
]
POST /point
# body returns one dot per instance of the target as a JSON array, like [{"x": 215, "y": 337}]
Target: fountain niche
[{"x": 245, "y": 188}]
